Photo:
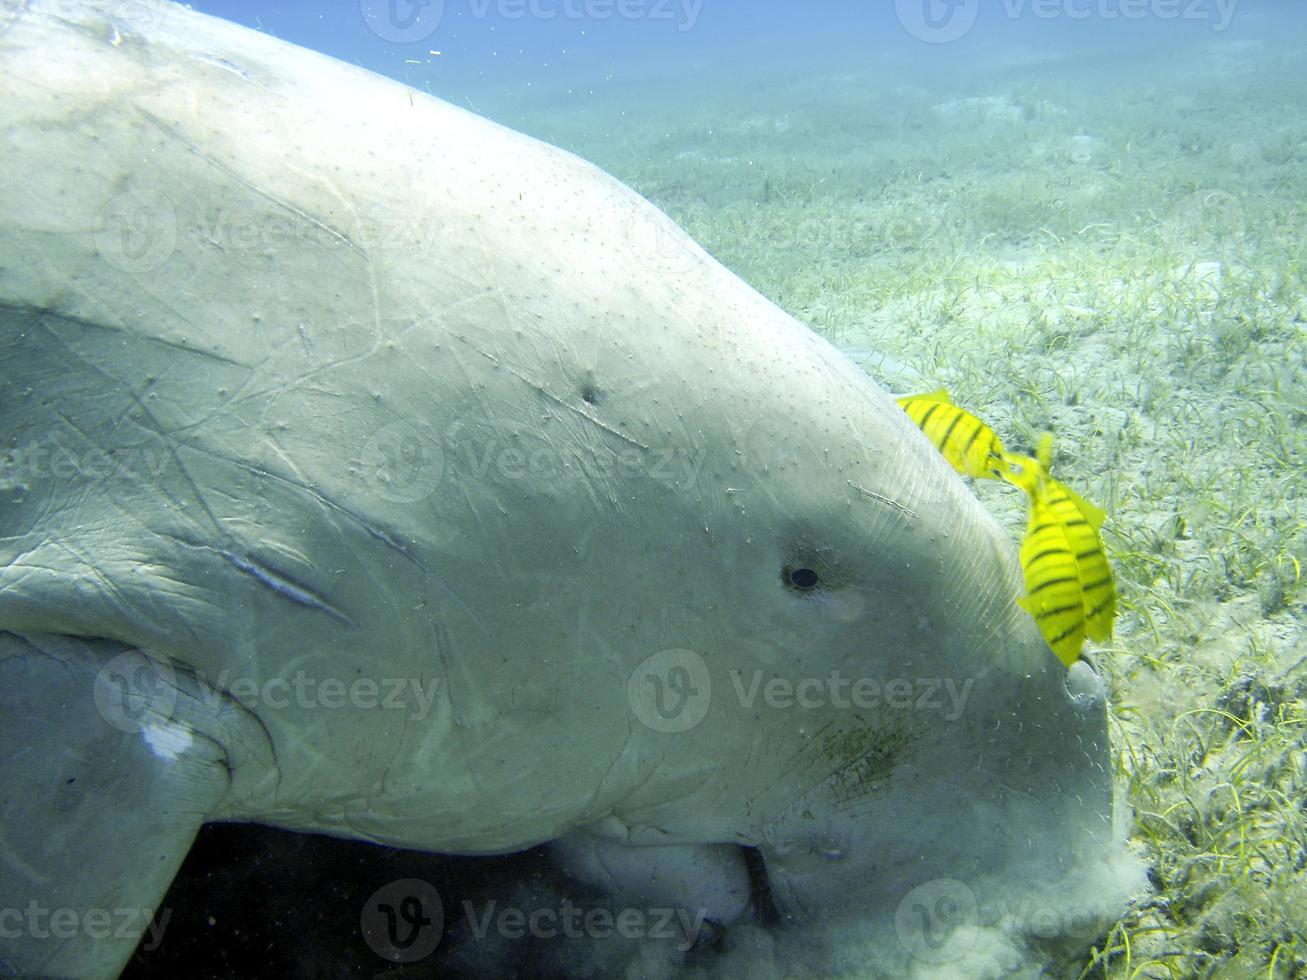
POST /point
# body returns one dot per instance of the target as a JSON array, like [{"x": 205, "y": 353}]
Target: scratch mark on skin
[
  {"x": 108, "y": 587},
  {"x": 284, "y": 586},
  {"x": 906, "y": 511},
  {"x": 555, "y": 399},
  {"x": 144, "y": 409},
  {"x": 318, "y": 223},
  {"x": 278, "y": 583},
  {"x": 371, "y": 529},
  {"x": 42, "y": 317},
  {"x": 235, "y": 69},
  {"x": 579, "y": 411},
  {"x": 269, "y": 393},
  {"x": 174, "y": 448},
  {"x": 39, "y": 315}
]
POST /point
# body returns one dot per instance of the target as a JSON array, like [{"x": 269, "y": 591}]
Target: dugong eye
[{"x": 803, "y": 579}]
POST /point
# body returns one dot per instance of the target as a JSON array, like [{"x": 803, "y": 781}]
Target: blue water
[{"x": 487, "y": 47}]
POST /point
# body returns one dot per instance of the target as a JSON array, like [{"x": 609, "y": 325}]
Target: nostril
[{"x": 803, "y": 579}]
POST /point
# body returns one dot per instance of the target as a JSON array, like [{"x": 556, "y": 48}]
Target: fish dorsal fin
[
  {"x": 1094, "y": 514},
  {"x": 938, "y": 395}
]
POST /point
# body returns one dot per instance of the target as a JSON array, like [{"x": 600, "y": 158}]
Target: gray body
[{"x": 310, "y": 376}]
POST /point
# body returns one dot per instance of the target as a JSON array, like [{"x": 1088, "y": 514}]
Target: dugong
[{"x": 373, "y": 470}]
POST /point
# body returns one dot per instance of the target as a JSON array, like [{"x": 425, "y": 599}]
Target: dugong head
[{"x": 845, "y": 629}]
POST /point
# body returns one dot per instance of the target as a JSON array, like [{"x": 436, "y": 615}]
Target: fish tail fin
[{"x": 1022, "y": 471}]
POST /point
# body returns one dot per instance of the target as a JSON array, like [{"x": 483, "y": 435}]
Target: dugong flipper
[
  {"x": 373, "y": 470},
  {"x": 102, "y": 795}
]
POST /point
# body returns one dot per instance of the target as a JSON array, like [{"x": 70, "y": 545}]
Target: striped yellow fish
[
  {"x": 969, "y": 445},
  {"x": 1081, "y": 521},
  {"x": 1053, "y": 593},
  {"x": 1069, "y": 587}
]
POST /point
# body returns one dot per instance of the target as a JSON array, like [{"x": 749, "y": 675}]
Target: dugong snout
[{"x": 943, "y": 741}]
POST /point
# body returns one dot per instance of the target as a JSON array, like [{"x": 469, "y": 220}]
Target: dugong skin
[{"x": 370, "y": 295}]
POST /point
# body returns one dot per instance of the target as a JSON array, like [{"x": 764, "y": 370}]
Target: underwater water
[{"x": 1087, "y": 217}]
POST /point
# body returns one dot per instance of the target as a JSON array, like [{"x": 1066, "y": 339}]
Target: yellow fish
[
  {"x": 1081, "y": 521},
  {"x": 966, "y": 442},
  {"x": 1053, "y": 593},
  {"x": 1069, "y": 587}
]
